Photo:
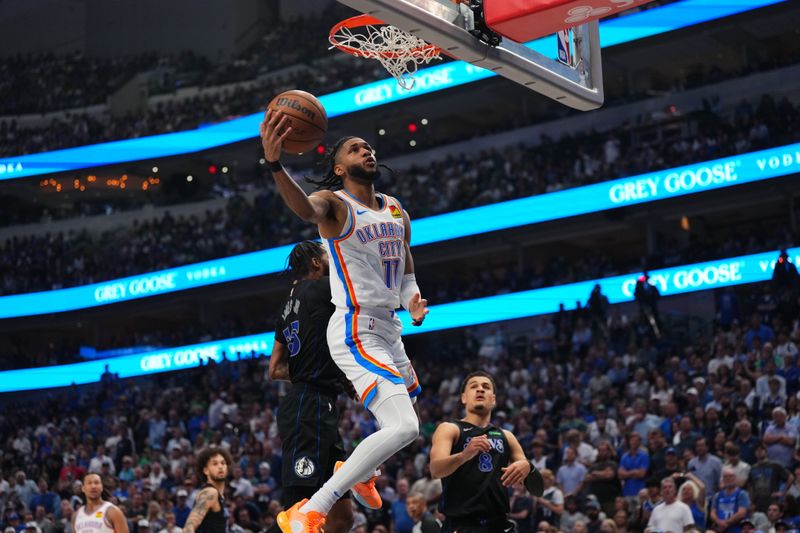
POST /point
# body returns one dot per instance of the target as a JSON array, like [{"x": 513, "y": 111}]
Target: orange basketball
[{"x": 307, "y": 117}]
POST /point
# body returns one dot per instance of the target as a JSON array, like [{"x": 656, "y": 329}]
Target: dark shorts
[
  {"x": 308, "y": 424},
  {"x": 498, "y": 525}
]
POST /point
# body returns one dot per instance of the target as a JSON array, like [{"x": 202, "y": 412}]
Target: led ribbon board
[
  {"x": 670, "y": 281},
  {"x": 653, "y": 186},
  {"x": 612, "y": 32}
]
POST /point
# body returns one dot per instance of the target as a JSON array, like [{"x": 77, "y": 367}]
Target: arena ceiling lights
[
  {"x": 644, "y": 188},
  {"x": 620, "y": 30},
  {"x": 670, "y": 281}
]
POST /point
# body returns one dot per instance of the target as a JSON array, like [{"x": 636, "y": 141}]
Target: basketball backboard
[{"x": 446, "y": 24}]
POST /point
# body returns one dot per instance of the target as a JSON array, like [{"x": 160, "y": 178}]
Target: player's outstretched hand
[
  {"x": 515, "y": 473},
  {"x": 475, "y": 446},
  {"x": 418, "y": 308},
  {"x": 274, "y": 130}
]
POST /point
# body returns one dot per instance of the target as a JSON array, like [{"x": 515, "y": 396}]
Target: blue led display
[
  {"x": 670, "y": 281},
  {"x": 653, "y": 186},
  {"x": 612, "y": 32}
]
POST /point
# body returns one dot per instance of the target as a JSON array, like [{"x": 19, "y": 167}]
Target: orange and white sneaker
[
  {"x": 293, "y": 521},
  {"x": 365, "y": 493}
]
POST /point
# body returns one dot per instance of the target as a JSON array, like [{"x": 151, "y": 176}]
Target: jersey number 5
[
  {"x": 292, "y": 339},
  {"x": 391, "y": 266}
]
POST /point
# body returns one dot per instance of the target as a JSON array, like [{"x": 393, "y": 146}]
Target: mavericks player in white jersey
[
  {"x": 97, "y": 515},
  {"x": 367, "y": 235}
]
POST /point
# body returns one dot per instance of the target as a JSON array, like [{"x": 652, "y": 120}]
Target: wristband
[
  {"x": 408, "y": 288},
  {"x": 274, "y": 166}
]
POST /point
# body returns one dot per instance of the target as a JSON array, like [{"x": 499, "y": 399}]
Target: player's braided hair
[
  {"x": 329, "y": 179},
  {"x": 299, "y": 260}
]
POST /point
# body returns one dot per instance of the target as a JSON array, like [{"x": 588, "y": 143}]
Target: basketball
[{"x": 307, "y": 117}]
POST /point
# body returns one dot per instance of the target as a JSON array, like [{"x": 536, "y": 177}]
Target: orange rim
[{"x": 359, "y": 21}]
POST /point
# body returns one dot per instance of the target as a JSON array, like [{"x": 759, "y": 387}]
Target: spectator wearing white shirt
[
  {"x": 785, "y": 346},
  {"x": 762, "y": 383},
  {"x": 550, "y": 505},
  {"x": 215, "y": 410},
  {"x": 241, "y": 486},
  {"x": 721, "y": 358},
  {"x": 603, "y": 428},
  {"x": 96, "y": 464},
  {"x": 671, "y": 514},
  {"x": 22, "y": 444},
  {"x": 170, "y": 526},
  {"x": 157, "y": 475},
  {"x": 586, "y": 452},
  {"x": 177, "y": 440},
  {"x": 734, "y": 462}
]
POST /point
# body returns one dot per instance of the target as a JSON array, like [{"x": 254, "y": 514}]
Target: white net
[{"x": 400, "y": 52}]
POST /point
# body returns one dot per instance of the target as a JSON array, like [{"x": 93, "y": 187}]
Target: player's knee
[{"x": 406, "y": 431}]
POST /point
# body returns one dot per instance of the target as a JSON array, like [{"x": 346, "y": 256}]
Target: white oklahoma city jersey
[
  {"x": 369, "y": 257},
  {"x": 96, "y": 522}
]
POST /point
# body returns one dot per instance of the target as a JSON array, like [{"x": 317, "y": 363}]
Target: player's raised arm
[
  {"x": 315, "y": 208},
  {"x": 410, "y": 296}
]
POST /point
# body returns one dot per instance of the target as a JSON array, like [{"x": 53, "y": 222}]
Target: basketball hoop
[{"x": 400, "y": 52}]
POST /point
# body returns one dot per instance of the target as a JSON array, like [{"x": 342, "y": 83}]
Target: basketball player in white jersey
[
  {"x": 97, "y": 515},
  {"x": 367, "y": 236}
]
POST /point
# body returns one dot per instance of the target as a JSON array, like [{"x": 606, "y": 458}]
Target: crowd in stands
[
  {"x": 37, "y": 83},
  {"x": 319, "y": 77},
  {"x": 46, "y": 82},
  {"x": 496, "y": 276},
  {"x": 616, "y": 421},
  {"x": 58, "y": 260}
]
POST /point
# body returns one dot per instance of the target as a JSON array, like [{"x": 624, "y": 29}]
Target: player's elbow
[
  {"x": 311, "y": 216},
  {"x": 436, "y": 470}
]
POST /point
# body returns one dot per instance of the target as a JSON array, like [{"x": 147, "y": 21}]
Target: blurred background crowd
[{"x": 601, "y": 406}]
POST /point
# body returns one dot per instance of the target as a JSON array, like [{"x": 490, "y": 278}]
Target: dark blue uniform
[
  {"x": 308, "y": 421},
  {"x": 474, "y": 499}
]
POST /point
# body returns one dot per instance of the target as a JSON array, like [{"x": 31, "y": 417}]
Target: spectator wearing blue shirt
[
  {"x": 780, "y": 438},
  {"x": 670, "y": 420},
  {"x": 47, "y": 499},
  {"x": 197, "y": 422},
  {"x": 746, "y": 441},
  {"x": 571, "y": 474},
  {"x": 730, "y": 505},
  {"x": 181, "y": 510},
  {"x": 156, "y": 430},
  {"x": 402, "y": 521},
  {"x": 706, "y": 466},
  {"x": 14, "y": 522},
  {"x": 758, "y": 329},
  {"x": 633, "y": 466}
]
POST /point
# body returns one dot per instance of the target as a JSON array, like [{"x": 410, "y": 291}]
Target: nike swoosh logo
[
  {"x": 360, "y": 212},
  {"x": 468, "y": 429}
]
